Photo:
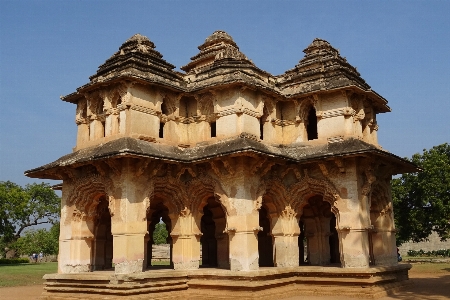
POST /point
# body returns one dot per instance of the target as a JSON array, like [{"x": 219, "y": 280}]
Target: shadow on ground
[{"x": 421, "y": 287}]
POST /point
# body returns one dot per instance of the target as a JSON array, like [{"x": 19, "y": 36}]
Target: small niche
[{"x": 213, "y": 129}]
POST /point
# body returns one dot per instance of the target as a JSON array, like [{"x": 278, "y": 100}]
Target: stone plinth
[{"x": 267, "y": 283}]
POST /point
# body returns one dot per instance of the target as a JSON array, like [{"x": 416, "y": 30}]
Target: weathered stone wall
[{"x": 434, "y": 243}]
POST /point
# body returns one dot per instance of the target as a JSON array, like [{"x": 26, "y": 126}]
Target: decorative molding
[
  {"x": 335, "y": 139},
  {"x": 145, "y": 110}
]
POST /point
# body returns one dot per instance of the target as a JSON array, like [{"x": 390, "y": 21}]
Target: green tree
[
  {"x": 35, "y": 241},
  {"x": 24, "y": 207},
  {"x": 422, "y": 199},
  {"x": 160, "y": 234}
]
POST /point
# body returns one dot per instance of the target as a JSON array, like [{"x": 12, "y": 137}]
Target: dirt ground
[{"x": 429, "y": 286}]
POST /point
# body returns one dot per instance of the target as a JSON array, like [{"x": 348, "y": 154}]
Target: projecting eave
[{"x": 244, "y": 144}]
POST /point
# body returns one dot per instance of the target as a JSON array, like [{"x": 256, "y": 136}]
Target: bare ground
[{"x": 429, "y": 286}]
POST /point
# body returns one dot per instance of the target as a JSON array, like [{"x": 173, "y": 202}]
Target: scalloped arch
[
  {"x": 87, "y": 190},
  {"x": 307, "y": 187}
]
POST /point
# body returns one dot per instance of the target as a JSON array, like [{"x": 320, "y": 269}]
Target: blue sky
[{"x": 49, "y": 48}]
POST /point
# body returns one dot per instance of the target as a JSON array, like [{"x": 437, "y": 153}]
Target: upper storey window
[{"x": 311, "y": 127}]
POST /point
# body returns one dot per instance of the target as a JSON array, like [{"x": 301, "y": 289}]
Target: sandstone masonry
[{"x": 259, "y": 170}]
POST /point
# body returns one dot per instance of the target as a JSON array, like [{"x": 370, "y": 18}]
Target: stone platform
[{"x": 267, "y": 283}]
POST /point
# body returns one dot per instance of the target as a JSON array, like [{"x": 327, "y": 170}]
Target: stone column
[
  {"x": 241, "y": 198},
  {"x": 80, "y": 246},
  {"x": 129, "y": 246},
  {"x": 129, "y": 223},
  {"x": 355, "y": 248},
  {"x": 242, "y": 233},
  {"x": 82, "y": 132},
  {"x": 186, "y": 242},
  {"x": 96, "y": 128},
  {"x": 354, "y": 215},
  {"x": 285, "y": 230}
]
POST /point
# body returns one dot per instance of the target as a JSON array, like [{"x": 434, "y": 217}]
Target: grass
[
  {"x": 438, "y": 268},
  {"x": 31, "y": 274},
  {"x": 25, "y": 274}
]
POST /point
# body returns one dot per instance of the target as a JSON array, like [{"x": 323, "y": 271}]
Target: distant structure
[{"x": 279, "y": 179}]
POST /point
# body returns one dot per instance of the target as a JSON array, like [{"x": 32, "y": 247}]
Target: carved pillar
[
  {"x": 80, "y": 245},
  {"x": 355, "y": 223},
  {"x": 82, "y": 131},
  {"x": 186, "y": 242},
  {"x": 242, "y": 202},
  {"x": 129, "y": 224},
  {"x": 96, "y": 127},
  {"x": 285, "y": 232},
  {"x": 242, "y": 234},
  {"x": 129, "y": 246},
  {"x": 113, "y": 122}
]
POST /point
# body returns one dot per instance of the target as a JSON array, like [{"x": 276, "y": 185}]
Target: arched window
[{"x": 311, "y": 127}]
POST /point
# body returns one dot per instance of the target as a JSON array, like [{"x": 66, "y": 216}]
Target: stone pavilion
[{"x": 269, "y": 186}]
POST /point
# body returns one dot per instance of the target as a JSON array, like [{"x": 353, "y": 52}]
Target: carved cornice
[{"x": 145, "y": 110}]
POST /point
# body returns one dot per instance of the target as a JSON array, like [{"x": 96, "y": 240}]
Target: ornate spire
[
  {"x": 322, "y": 68},
  {"x": 137, "y": 57},
  {"x": 138, "y": 43},
  {"x": 217, "y": 46},
  {"x": 320, "y": 46}
]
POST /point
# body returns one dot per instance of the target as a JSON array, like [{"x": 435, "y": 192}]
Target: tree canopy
[
  {"x": 160, "y": 234},
  {"x": 422, "y": 199},
  {"x": 24, "y": 207},
  {"x": 36, "y": 241}
]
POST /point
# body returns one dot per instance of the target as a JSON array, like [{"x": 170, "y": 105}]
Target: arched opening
[
  {"x": 318, "y": 230},
  {"x": 302, "y": 245},
  {"x": 102, "y": 247},
  {"x": 335, "y": 257},
  {"x": 311, "y": 127},
  {"x": 161, "y": 130},
  {"x": 265, "y": 240},
  {"x": 262, "y": 122},
  {"x": 213, "y": 129},
  {"x": 159, "y": 250},
  {"x": 214, "y": 243}
]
